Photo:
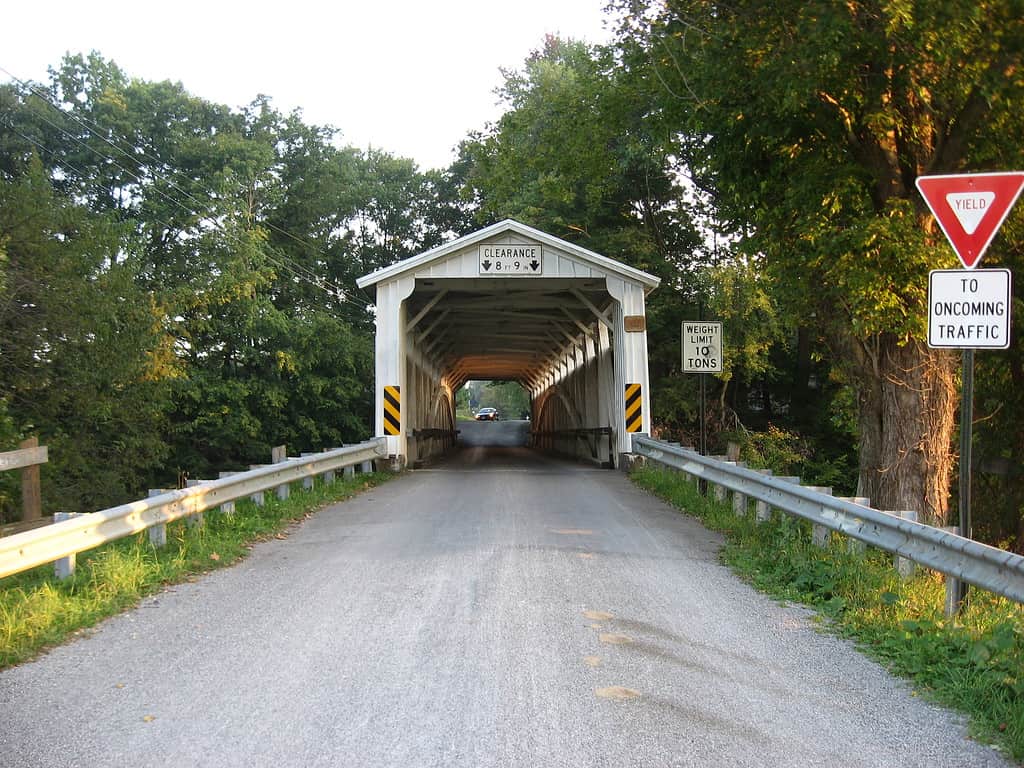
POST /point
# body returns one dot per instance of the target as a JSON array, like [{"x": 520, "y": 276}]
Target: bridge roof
[{"x": 567, "y": 259}]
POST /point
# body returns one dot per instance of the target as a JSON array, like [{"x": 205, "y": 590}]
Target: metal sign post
[
  {"x": 966, "y": 421},
  {"x": 702, "y": 353}
]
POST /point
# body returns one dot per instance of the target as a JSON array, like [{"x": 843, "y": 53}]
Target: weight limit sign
[{"x": 702, "y": 346}]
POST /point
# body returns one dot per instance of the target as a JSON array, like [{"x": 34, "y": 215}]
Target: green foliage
[
  {"x": 81, "y": 345},
  {"x": 974, "y": 664},
  {"x": 573, "y": 157},
  {"x": 740, "y": 296},
  {"x": 509, "y": 397},
  {"x": 37, "y": 610},
  {"x": 177, "y": 279},
  {"x": 791, "y": 454},
  {"x": 806, "y": 124},
  {"x": 10, "y": 482}
]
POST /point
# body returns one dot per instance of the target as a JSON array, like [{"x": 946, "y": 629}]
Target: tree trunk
[
  {"x": 802, "y": 370},
  {"x": 907, "y": 404}
]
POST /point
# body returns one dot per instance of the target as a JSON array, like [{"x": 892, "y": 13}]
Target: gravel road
[{"x": 496, "y": 609}]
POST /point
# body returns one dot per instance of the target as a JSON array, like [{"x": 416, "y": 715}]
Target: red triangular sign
[{"x": 970, "y": 208}]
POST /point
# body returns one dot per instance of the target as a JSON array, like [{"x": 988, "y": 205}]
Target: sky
[{"x": 405, "y": 76}]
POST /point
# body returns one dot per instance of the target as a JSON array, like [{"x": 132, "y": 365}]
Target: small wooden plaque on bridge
[{"x": 634, "y": 323}]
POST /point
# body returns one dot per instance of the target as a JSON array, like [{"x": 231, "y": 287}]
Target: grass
[
  {"x": 973, "y": 663},
  {"x": 38, "y": 611}
]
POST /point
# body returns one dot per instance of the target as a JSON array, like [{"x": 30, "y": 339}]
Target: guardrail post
[
  {"x": 198, "y": 518},
  {"x": 228, "y": 507},
  {"x": 64, "y": 568},
  {"x": 820, "y": 535},
  {"x": 278, "y": 455},
  {"x": 855, "y": 546},
  {"x": 952, "y": 603},
  {"x": 762, "y": 512},
  {"x": 695, "y": 479},
  {"x": 366, "y": 467},
  {"x": 31, "y": 495},
  {"x": 792, "y": 479},
  {"x": 329, "y": 474},
  {"x": 257, "y": 498},
  {"x": 308, "y": 482},
  {"x": 739, "y": 504},
  {"x": 720, "y": 491},
  {"x": 158, "y": 532},
  {"x": 904, "y": 566}
]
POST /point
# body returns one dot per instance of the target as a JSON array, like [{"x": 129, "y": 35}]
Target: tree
[
  {"x": 85, "y": 364},
  {"x": 572, "y": 155},
  {"x": 809, "y": 122},
  {"x": 575, "y": 154}
]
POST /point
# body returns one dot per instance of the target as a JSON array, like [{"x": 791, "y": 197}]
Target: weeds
[
  {"x": 38, "y": 611},
  {"x": 974, "y": 663}
]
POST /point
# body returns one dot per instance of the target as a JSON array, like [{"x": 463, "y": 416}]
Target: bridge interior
[{"x": 571, "y": 332}]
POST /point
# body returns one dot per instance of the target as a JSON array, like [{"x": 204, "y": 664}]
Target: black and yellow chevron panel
[
  {"x": 634, "y": 408},
  {"x": 392, "y": 410}
]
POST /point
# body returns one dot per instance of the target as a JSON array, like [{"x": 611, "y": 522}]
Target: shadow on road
[{"x": 495, "y": 445}]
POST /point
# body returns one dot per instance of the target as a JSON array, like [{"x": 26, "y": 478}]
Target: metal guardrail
[
  {"x": 989, "y": 568},
  {"x": 83, "y": 532}
]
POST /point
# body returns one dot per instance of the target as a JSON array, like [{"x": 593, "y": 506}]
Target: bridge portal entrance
[{"x": 511, "y": 302}]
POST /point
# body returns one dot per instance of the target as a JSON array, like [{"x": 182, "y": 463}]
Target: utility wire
[
  {"x": 65, "y": 166},
  {"x": 299, "y": 271},
  {"x": 93, "y": 129}
]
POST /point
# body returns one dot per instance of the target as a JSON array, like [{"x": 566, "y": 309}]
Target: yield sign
[{"x": 970, "y": 208}]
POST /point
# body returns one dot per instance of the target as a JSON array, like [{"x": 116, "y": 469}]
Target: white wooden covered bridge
[{"x": 510, "y": 302}]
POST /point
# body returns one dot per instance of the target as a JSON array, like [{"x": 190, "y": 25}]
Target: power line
[
  {"x": 64, "y": 165},
  {"x": 299, "y": 271},
  {"x": 92, "y": 128}
]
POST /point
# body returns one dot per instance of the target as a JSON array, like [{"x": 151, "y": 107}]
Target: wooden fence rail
[{"x": 27, "y": 458}]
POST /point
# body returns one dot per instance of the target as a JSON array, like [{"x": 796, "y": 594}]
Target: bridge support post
[{"x": 630, "y": 359}]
